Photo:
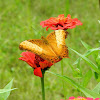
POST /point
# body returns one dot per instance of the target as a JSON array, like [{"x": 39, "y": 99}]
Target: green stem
[
  {"x": 62, "y": 73},
  {"x": 42, "y": 86},
  {"x": 67, "y": 7},
  {"x": 62, "y": 67}
]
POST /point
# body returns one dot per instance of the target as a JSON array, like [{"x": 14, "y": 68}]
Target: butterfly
[{"x": 52, "y": 48}]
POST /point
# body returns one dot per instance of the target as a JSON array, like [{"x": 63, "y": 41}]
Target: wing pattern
[{"x": 51, "y": 48}]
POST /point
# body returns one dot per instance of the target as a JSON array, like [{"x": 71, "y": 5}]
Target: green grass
[{"x": 19, "y": 21}]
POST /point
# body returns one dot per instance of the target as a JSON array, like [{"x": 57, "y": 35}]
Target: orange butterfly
[{"x": 52, "y": 48}]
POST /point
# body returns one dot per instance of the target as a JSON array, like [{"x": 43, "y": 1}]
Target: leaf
[
  {"x": 89, "y": 52},
  {"x": 86, "y": 91},
  {"x": 4, "y": 96},
  {"x": 87, "y": 78},
  {"x": 76, "y": 72},
  {"x": 97, "y": 88},
  {"x": 98, "y": 61},
  {"x": 97, "y": 76},
  {"x": 89, "y": 62},
  {"x": 86, "y": 45},
  {"x": 6, "y": 90},
  {"x": 99, "y": 21}
]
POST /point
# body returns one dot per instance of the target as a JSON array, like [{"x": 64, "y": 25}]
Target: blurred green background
[{"x": 20, "y": 20}]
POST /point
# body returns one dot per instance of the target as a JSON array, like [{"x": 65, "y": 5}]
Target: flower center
[
  {"x": 79, "y": 99},
  {"x": 59, "y": 25}
]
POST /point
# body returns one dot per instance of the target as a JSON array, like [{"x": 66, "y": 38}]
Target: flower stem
[
  {"x": 67, "y": 7},
  {"x": 62, "y": 73},
  {"x": 62, "y": 67},
  {"x": 42, "y": 86}
]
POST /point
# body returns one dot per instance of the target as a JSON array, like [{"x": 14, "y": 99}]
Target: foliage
[
  {"x": 20, "y": 20},
  {"x": 95, "y": 53},
  {"x": 4, "y": 93},
  {"x": 95, "y": 93}
]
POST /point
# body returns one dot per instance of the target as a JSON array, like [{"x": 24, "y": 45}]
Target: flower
[
  {"x": 82, "y": 98},
  {"x": 60, "y": 22},
  {"x": 36, "y": 62}
]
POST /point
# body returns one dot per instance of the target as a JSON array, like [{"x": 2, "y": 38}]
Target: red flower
[
  {"x": 60, "y": 22},
  {"x": 82, "y": 98},
  {"x": 35, "y": 62}
]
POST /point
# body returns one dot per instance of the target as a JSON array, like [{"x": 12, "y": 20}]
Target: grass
[{"x": 19, "y": 21}]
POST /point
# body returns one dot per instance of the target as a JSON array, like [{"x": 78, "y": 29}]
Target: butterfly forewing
[{"x": 39, "y": 47}]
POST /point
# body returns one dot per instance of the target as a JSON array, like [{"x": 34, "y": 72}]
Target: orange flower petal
[
  {"x": 60, "y": 22},
  {"x": 38, "y": 72}
]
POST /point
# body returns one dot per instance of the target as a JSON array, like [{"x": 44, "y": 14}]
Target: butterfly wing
[
  {"x": 51, "y": 48},
  {"x": 57, "y": 41},
  {"x": 39, "y": 47}
]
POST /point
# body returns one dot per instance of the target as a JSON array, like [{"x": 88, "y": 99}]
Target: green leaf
[
  {"x": 6, "y": 90},
  {"x": 86, "y": 45},
  {"x": 76, "y": 72},
  {"x": 89, "y": 52},
  {"x": 98, "y": 61},
  {"x": 4, "y": 96},
  {"x": 86, "y": 91},
  {"x": 89, "y": 62},
  {"x": 99, "y": 21},
  {"x": 87, "y": 78},
  {"x": 97, "y": 76},
  {"x": 97, "y": 88}
]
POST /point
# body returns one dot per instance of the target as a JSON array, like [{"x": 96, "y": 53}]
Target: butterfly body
[
  {"x": 44, "y": 39},
  {"x": 51, "y": 48}
]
